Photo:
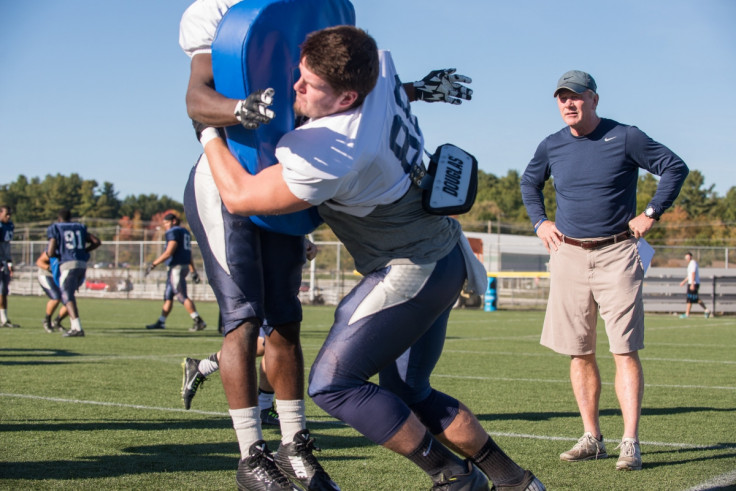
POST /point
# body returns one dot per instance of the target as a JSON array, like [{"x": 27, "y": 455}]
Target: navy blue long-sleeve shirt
[{"x": 595, "y": 178}]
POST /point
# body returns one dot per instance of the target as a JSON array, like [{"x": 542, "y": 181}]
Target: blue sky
[{"x": 97, "y": 87}]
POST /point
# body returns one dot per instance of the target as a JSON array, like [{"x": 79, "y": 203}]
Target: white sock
[
  {"x": 194, "y": 315},
  {"x": 265, "y": 399},
  {"x": 247, "y": 425},
  {"x": 209, "y": 365},
  {"x": 292, "y": 418},
  {"x": 76, "y": 324},
  {"x": 3, "y": 316}
]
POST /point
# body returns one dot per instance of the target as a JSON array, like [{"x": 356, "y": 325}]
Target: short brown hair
[{"x": 345, "y": 57}]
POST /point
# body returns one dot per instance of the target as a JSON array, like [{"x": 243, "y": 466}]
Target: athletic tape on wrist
[{"x": 208, "y": 134}]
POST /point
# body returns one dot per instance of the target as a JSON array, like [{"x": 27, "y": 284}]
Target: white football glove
[
  {"x": 253, "y": 111},
  {"x": 443, "y": 86}
]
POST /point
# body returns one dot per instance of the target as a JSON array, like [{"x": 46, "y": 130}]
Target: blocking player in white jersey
[{"x": 352, "y": 159}]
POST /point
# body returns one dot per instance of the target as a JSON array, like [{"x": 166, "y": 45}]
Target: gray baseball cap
[{"x": 576, "y": 81}]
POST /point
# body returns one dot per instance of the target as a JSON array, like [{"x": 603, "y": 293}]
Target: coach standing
[{"x": 594, "y": 263}]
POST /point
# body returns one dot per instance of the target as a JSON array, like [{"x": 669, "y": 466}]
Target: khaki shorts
[{"x": 582, "y": 284}]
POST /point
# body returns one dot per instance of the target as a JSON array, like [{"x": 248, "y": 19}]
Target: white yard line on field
[
  {"x": 724, "y": 481},
  {"x": 226, "y": 415}
]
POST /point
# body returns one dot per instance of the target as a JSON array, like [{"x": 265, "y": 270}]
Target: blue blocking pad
[{"x": 256, "y": 47}]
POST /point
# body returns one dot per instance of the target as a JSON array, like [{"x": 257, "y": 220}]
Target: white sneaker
[
  {"x": 630, "y": 458},
  {"x": 587, "y": 448}
]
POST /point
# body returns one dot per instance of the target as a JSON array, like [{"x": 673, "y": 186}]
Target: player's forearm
[
  {"x": 244, "y": 194},
  {"x": 204, "y": 103},
  {"x": 208, "y": 106}
]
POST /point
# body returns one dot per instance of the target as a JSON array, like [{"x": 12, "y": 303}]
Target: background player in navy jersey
[
  {"x": 71, "y": 243},
  {"x": 178, "y": 258},
  {"x": 7, "y": 228},
  {"x": 48, "y": 278}
]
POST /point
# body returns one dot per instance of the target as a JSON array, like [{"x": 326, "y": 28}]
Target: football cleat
[
  {"x": 47, "y": 326},
  {"x": 270, "y": 417},
  {"x": 156, "y": 325},
  {"x": 56, "y": 325},
  {"x": 191, "y": 380},
  {"x": 198, "y": 325},
  {"x": 7, "y": 323},
  {"x": 528, "y": 483},
  {"x": 473, "y": 480},
  {"x": 258, "y": 472},
  {"x": 296, "y": 460},
  {"x": 73, "y": 333}
]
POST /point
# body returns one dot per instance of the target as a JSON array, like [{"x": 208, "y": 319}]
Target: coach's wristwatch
[{"x": 651, "y": 212}]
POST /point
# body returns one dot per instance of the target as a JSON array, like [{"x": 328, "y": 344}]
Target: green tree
[
  {"x": 107, "y": 204},
  {"x": 695, "y": 200}
]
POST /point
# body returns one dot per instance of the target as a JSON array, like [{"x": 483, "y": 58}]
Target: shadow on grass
[
  {"x": 649, "y": 411},
  {"x": 41, "y": 356},
  {"x": 153, "y": 459},
  {"x": 685, "y": 456}
]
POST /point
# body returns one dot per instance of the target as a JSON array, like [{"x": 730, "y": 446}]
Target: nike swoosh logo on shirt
[{"x": 609, "y": 139}]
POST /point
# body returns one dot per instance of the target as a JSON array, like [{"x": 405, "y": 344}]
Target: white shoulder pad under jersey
[
  {"x": 199, "y": 23},
  {"x": 356, "y": 160}
]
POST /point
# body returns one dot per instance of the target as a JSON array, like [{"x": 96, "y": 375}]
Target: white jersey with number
[
  {"x": 356, "y": 160},
  {"x": 199, "y": 25},
  {"x": 354, "y": 166}
]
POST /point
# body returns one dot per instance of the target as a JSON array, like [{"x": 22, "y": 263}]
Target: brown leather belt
[{"x": 597, "y": 244}]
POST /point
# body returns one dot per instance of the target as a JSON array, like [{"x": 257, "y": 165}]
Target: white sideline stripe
[
  {"x": 496, "y": 353},
  {"x": 566, "y": 381},
  {"x": 226, "y": 415},
  {"x": 717, "y": 482},
  {"x": 114, "y": 404}
]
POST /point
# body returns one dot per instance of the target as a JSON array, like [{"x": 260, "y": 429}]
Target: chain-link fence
[{"x": 117, "y": 270}]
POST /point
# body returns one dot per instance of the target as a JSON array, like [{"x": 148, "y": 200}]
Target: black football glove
[
  {"x": 254, "y": 111},
  {"x": 443, "y": 86},
  {"x": 149, "y": 268},
  {"x": 195, "y": 278}
]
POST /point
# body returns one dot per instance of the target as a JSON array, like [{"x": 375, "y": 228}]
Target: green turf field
[{"x": 104, "y": 411}]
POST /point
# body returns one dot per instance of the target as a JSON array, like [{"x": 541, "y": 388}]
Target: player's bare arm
[
  {"x": 266, "y": 193},
  {"x": 51, "y": 248},
  {"x": 93, "y": 242},
  {"x": 204, "y": 103}
]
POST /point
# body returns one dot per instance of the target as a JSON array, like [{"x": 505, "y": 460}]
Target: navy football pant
[
  {"x": 253, "y": 272},
  {"x": 392, "y": 323}
]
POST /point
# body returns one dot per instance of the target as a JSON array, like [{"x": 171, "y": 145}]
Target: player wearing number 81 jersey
[
  {"x": 71, "y": 243},
  {"x": 352, "y": 159}
]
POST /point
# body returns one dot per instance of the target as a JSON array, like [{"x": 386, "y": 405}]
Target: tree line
[
  {"x": 699, "y": 216},
  {"x": 36, "y": 203}
]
